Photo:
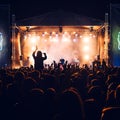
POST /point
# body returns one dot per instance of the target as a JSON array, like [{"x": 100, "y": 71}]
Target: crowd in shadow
[{"x": 60, "y": 92}]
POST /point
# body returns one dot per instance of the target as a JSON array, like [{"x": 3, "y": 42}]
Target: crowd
[{"x": 55, "y": 93}]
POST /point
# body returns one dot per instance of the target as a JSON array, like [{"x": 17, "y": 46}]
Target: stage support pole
[
  {"x": 13, "y": 41},
  {"x": 106, "y": 41}
]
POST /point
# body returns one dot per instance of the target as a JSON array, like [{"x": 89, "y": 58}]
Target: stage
[{"x": 78, "y": 39}]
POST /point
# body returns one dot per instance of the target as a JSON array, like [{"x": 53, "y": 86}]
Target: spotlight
[
  {"x": 27, "y": 29},
  {"x": 91, "y": 29}
]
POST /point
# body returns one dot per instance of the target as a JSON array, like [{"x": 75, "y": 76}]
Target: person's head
[
  {"x": 39, "y": 54},
  {"x": 71, "y": 105}
]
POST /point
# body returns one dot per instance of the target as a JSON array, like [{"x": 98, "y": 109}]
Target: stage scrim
[{"x": 5, "y": 51}]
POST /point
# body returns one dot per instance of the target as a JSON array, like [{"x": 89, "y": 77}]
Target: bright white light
[
  {"x": 76, "y": 34},
  {"x": 33, "y": 48},
  {"x": 56, "y": 35},
  {"x": 50, "y": 36},
  {"x": 74, "y": 40},
  {"x": 25, "y": 37},
  {"x": 65, "y": 32},
  {"x": 45, "y": 32},
  {"x": 86, "y": 39},
  {"x": 33, "y": 40},
  {"x": 54, "y": 39},
  {"x": 80, "y": 36},
  {"x": 53, "y": 33},
  {"x": 86, "y": 48},
  {"x": 65, "y": 39},
  {"x": 86, "y": 57}
]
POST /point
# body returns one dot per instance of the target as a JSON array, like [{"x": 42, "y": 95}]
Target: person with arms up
[{"x": 39, "y": 60}]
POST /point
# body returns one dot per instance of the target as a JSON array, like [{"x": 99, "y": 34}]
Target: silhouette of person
[
  {"x": 103, "y": 64},
  {"x": 39, "y": 59}
]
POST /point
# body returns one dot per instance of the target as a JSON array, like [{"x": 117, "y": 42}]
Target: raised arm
[
  {"x": 45, "y": 56},
  {"x": 33, "y": 54}
]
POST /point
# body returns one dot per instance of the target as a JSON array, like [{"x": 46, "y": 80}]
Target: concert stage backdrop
[
  {"x": 115, "y": 33},
  {"x": 4, "y": 35}
]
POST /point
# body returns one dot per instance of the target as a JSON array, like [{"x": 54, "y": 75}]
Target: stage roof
[{"x": 60, "y": 18}]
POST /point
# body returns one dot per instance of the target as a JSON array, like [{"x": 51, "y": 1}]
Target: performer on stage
[{"x": 39, "y": 60}]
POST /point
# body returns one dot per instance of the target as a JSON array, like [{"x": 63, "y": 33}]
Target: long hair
[{"x": 39, "y": 54}]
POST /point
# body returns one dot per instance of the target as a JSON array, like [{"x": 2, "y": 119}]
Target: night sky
[{"x": 30, "y": 8}]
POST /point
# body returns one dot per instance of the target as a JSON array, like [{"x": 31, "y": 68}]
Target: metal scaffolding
[
  {"x": 106, "y": 40},
  {"x": 13, "y": 41}
]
